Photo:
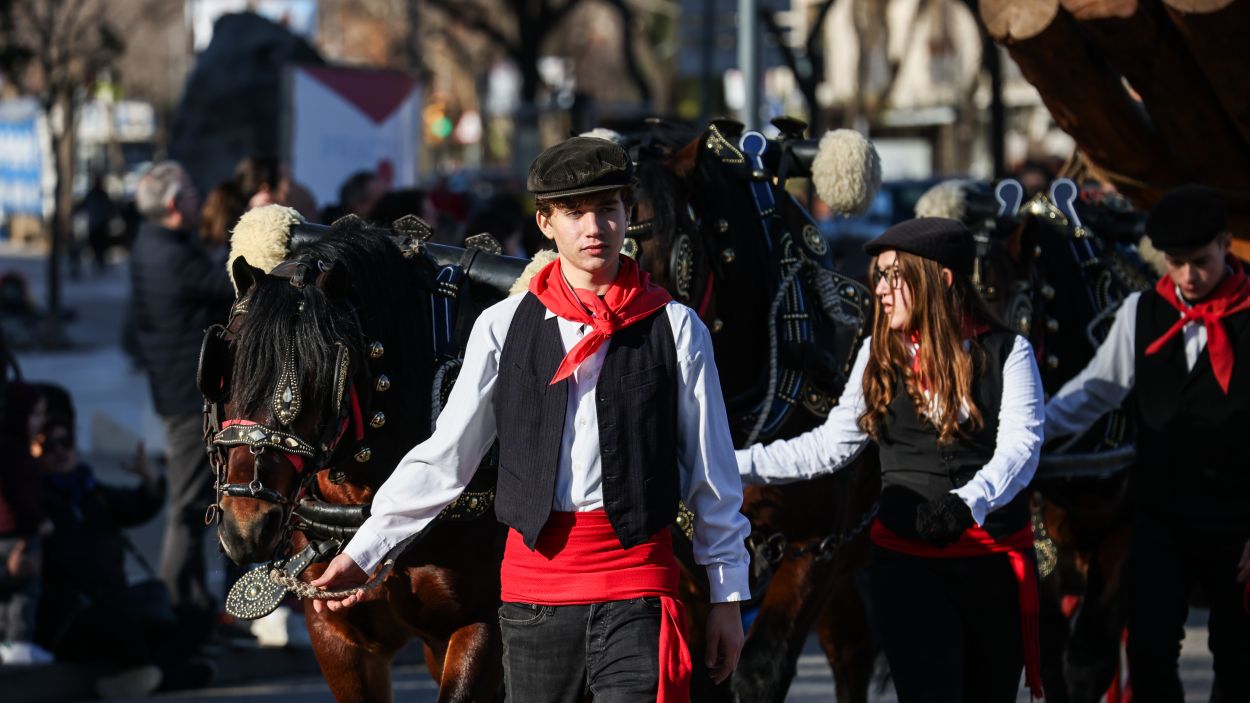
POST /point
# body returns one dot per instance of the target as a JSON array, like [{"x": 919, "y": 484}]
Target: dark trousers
[
  {"x": 559, "y": 654},
  {"x": 1166, "y": 558},
  {"x": 950, "y": 628},
  {"x": 190, "y": 481}
]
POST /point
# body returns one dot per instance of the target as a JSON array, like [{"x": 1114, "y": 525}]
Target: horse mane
[
  {"x": 373, "y": 308},
  {"x": 660, "y": 187}
]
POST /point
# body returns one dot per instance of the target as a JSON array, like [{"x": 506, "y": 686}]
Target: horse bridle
[{"x": 222, "y": 433}]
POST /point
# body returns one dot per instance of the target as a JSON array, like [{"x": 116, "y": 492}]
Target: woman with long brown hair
[{"x": 954, "y": 402}]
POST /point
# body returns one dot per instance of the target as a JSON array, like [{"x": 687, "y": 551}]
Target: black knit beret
[
  {"x": 940, "y": 239},
  {"x": 579, "y": 166},
  {"x": 1186, "y": 218}
]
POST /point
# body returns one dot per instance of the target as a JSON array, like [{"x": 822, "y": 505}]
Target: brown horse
[
  {"x": 1055, "y": 269},
  {"x": 699, "y": 231},
  {"x": 319, "y": 384}
]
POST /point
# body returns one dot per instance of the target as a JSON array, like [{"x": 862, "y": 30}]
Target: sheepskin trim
[
  {"x": 541, "y": 259},
  {"x": 846, "y": 171},
  {"x": 262, "y": 235},
  {"x": 946, "y": 199},
  {"x": 1153, "y": 257},
  {"x": 605, "y": 133}
]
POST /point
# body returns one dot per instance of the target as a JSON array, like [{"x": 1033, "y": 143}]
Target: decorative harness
[{"x": 327, "y": 526}]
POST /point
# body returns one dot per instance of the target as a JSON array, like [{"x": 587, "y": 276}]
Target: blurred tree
[
  {"x": 54, "y": 50},
  {"x": 521, "y": 28},
  {"x": 806, "y": 58}
]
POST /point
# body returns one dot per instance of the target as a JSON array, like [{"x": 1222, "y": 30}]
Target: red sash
[
  {"x": 579, "y": 561},
  {"x": 976, "y": 542}
]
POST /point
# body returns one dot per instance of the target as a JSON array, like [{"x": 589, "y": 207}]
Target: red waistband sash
[
  {"x": 976, "y": 542},
  {"x": 579, "y": 561}
]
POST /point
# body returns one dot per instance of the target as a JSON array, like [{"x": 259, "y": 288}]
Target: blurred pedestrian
[
  {"x": 223, "y": 207},
  {"x": 98, "y": 210},
  {"x": 22, "y": 526},
  {"x": 265, "y": 180},
  {"x": 360, "y": 193},
  {"x": 177, "y": 292},
  {"x": 89, "y": 611}
]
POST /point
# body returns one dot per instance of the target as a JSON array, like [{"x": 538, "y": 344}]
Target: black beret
[
  {"x": 1187, "y": 217},
  {"x": 579, "y": 166},
  {"x": 941, "y": 239}
]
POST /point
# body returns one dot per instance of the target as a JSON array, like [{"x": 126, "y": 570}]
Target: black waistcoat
[
  {"x": 916, "y": 469},
  {"x": 1191, "y": 459},
  {"x": 636, "y": 401}
]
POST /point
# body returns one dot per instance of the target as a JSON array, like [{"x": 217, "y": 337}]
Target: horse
[
  {"x": 714, "y": 225},
  {"x": 1055, "y": 268},
  {"x": 331, "y": 366}
]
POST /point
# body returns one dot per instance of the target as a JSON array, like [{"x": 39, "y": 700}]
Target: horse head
[
  {"x": 307, "y": 409},
  {"x": 715, "y": 225}
]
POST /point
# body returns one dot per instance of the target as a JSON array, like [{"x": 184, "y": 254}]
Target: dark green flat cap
[{"x": 579, "y": 166}]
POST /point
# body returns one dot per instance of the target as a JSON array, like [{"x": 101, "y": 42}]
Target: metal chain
[
  {"x": 828, "y": 547},
  {"x": 774, "y": 548}
]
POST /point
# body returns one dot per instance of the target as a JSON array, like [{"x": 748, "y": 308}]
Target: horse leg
[
  {"x": 846, "y": 639},
  {"x": 473, "y": 664},
  {"x": 355, "y": 669},
  {"x": 799, "y": 589},
  {"x": 434, "y": 657},
  {"x": 1093, "y": 656}
]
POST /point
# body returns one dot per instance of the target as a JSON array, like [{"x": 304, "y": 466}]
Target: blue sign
[{"x": 21, "y": 159}]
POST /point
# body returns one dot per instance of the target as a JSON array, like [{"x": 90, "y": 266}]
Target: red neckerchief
[
  {"x": 976, "y": 542},
  {"x": 971, "y": 329},
  {"x": 631, "y": 298},
  {"x": 579, "y": 560},
  {"x": 1232, "y": 295}
]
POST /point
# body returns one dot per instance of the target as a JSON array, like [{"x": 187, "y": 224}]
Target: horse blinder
[{"x": 212, "y": 374}]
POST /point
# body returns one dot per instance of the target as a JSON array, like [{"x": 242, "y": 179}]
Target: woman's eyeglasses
[{"x": 893, "y": 274}]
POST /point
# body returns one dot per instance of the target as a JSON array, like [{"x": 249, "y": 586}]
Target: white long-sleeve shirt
[
  {"x": 839, "y": 440},
  {"x": 435, "y": 472},
  {"x": 1106, "y": 380}
]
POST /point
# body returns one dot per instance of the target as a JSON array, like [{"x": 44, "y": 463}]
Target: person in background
[
  {"x": 99, "y": 210},
  {"x": 265, "y": 180},
  {"x": 223, "y": 207},
  {"x": 22, "y": 525},
  {"x": 176, "y": 292},
  {"x": 1181, "y": 352},
  {"x": 360, "y": 194},
  {"x": 89, "y": 611}
]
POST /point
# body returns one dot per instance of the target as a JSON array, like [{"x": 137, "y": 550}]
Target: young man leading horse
[
  {"x": 604, "y": 396},
  {"x": 1183, "y": 349}
]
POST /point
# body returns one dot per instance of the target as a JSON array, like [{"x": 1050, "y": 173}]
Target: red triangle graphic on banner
[{"x": 375, "y": 93}]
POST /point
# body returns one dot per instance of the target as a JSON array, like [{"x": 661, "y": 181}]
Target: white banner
[{"x": 348, "y": 120}]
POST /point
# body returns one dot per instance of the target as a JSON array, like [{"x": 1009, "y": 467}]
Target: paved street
[{"x": 114, "y": 412}]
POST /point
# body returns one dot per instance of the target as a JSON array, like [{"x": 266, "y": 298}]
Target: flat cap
[
  {"x": 941, "y": 239},
  {"x": 1187, "y": 217},
  {"x": 579, "y": 166}
]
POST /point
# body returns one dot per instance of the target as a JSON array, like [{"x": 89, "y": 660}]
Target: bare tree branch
[
  {"x": 631, "y": 56},
  {"x": 475, "y": 19}
]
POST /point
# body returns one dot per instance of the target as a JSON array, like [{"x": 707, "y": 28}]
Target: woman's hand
[
  {"x": 139, "y": 465},
  {"x": 724, "y": 640},
  {"x": 341, "y": 573}
]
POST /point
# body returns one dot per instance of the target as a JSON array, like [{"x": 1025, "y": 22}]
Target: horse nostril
[{"x": 273, "y": 524}]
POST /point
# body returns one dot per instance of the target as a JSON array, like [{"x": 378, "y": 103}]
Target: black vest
[
  {"x": 1190, "y": 456},
  {"x": 915, "y": 469},
  {"x": 636, "y": 401}
]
